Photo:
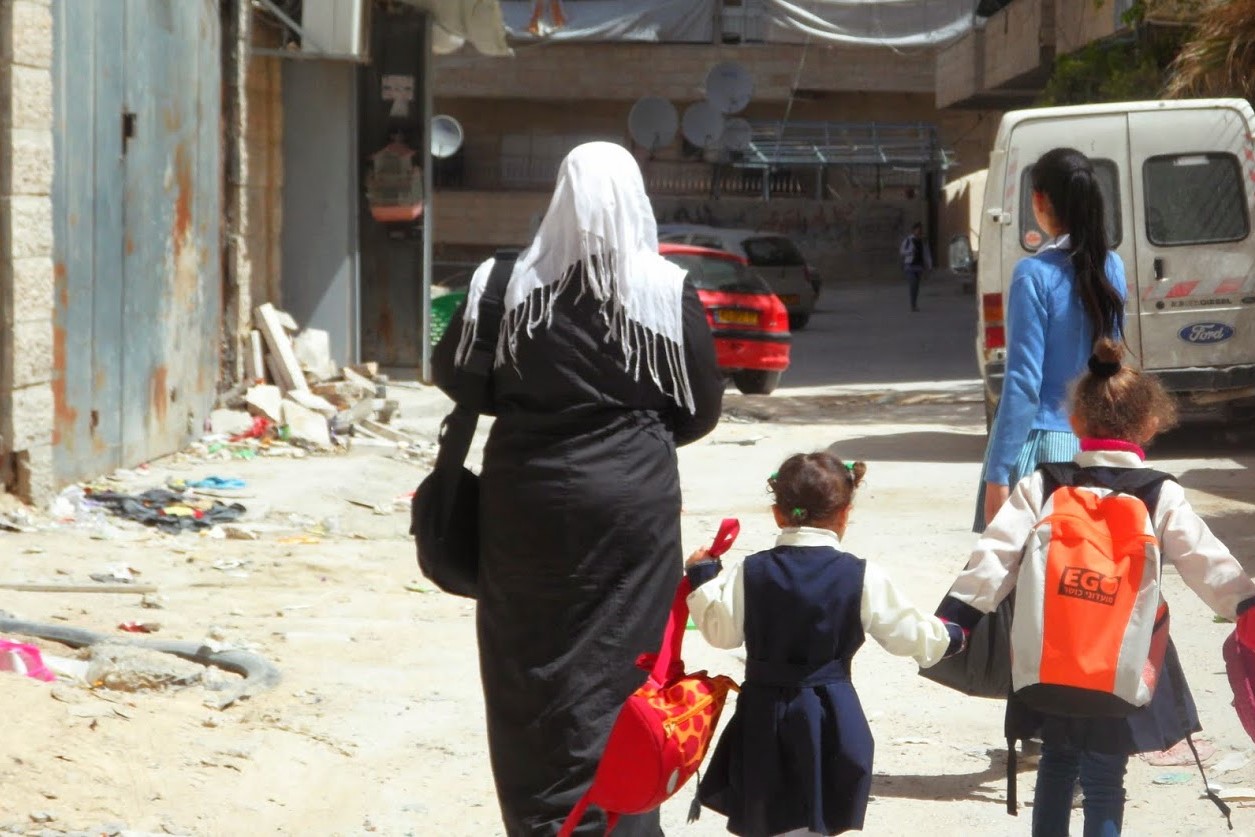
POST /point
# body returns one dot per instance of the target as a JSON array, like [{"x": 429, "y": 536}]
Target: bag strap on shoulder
[
  {"x": 483, "y": 351},
  {"x": 1142, "y": 483}
]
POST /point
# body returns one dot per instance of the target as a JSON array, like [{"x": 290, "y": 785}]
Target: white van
[{"x": 1179, "y": 183}]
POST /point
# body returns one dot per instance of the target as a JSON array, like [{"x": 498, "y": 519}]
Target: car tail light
[
  {"x": 995, "y": 332},
  {"x": 776, "y": 318}
]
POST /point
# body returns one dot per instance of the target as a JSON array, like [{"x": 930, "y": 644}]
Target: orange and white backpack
[{"x": 1091, "y": 627}]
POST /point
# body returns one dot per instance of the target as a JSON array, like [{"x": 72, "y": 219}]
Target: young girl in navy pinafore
[{"x": 796, "y": 756}]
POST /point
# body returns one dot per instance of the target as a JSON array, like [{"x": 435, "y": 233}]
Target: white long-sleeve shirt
[
  {"x": 718, "y": 607},
  {"x": 1204, "y": 563}
]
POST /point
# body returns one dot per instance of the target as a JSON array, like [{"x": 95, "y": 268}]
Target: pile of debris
[{"x": 294, "y": 393}]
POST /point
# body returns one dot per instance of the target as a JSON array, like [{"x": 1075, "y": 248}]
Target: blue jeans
[{"x": 1102, "y": 782}]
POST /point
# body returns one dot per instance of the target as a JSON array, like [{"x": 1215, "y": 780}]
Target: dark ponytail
[{"x": 1066, "y": 177}]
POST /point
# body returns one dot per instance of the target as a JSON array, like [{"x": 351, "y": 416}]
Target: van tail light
[{"x": 995, "y": 332}]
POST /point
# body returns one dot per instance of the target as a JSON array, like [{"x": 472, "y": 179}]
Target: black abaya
[{"x": 580, "y": 549}]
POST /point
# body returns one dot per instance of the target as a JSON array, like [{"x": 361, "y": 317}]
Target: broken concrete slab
[
  {"x": 361, "y": 381},
  {"x": 230, "y": 422},
  {"x": 254, "y": 359},
  {"x": 347, "y": 419},
  {"x": 383, "y": 431},
  {"x": 286, "y": 368},
  {"x": 313, "y": 351},
  {"x": 310, "y": 401},
  {"x": 305, "y": 425},
  {"x": 266, "y": 400}
]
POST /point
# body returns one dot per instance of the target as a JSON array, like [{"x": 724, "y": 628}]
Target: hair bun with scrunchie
[{"x": 1103, "y": 368}]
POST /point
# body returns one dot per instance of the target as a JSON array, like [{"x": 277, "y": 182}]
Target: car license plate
[
  {"x": 737, "y": 317},
  {"x": 790, "y": 299}
]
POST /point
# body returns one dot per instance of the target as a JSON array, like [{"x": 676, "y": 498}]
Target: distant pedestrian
[
  {"x": 796, "y": 758},
  {"x": 916, "y": 261}
]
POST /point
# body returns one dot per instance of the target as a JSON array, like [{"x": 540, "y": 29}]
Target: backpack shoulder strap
[
  {"x": 1056, "y": 475},
  {"x": 475, "y": 376}
]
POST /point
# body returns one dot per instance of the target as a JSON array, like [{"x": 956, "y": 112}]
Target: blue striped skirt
[{"x": 1041, "y": 446}]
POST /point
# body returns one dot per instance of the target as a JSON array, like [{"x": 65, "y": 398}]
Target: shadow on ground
[
  {"x": 914, "y": 446},
  {"x": 951, "y": 787},
  {"x": 845, "y": 409}
]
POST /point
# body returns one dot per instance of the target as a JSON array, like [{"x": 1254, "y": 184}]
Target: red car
[{"x": 750, "y": 323}]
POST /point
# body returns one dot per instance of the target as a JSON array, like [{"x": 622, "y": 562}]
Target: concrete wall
[
  {"x": 26, "y": 265},
  {"x": 625, "y": 72},
  {"x": 1078, "y": 22},
  {"x": 1014, "y": 39}
]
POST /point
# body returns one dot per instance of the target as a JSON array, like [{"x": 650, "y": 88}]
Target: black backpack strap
[
  {"x": 475, "y": 375},
  {"x": 1142, "y": 483},
  {"x": 1055, "y": 475}
]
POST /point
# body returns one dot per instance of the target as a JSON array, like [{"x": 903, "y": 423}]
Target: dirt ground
[{"x": 377, "y": 725}]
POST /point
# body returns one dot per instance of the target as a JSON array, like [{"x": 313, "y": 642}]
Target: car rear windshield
[
  {"x": 1194, "y": 199},
  {"x": 712, "y": 274},
  {"x": 773, "y": 251}
]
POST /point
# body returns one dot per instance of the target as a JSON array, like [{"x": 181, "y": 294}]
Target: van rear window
[
  {"x": 1194, "y": 199},
  {"x": 1031, "y": 236},
  {"x": 773, "y": 251}
]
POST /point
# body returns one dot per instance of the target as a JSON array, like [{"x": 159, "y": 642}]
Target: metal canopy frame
[{"x": 905, "y": 145}]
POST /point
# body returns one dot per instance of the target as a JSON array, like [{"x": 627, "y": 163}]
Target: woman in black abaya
[{"x": 605, "y": 365}]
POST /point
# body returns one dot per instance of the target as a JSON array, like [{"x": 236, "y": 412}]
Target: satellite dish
[
  {"x": 446, "y": 136},
  {"x": 737, "y": 135},
  {"x": 729, "y": 87},
  {"x": 702, "y": 124},
  {"x": 653, "y": 122}
]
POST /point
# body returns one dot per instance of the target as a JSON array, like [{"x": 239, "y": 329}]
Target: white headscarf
[{"x": 599, "y": 217}]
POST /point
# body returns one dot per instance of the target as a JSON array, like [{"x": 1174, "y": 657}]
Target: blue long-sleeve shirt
[{"x": 1049, "y": 341}]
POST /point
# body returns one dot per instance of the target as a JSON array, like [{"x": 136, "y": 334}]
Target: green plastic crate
[{"x": 442, "y": 310}]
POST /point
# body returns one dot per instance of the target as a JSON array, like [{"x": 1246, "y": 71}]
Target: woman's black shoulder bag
[{"x": 444, "y": 518}]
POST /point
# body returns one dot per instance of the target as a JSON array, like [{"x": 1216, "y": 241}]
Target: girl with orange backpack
[
  {"x": 1082, "y": 544},
  {"x": 796, "y": 758}
]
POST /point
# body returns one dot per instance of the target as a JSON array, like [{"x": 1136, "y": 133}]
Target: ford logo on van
[{"x": 1206, "y": 333}]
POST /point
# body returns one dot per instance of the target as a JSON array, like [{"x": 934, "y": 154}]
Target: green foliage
[{"x": 1119, "y": 71}]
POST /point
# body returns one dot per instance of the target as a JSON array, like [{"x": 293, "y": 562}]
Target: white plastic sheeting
[
  {"x": 891, "y": 23},
  {"x": 612, "y": 20},
  {"x": 458, "y": 22}
]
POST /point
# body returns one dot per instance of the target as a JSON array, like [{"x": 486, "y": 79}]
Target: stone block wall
[{"x": 26, "y": 248}]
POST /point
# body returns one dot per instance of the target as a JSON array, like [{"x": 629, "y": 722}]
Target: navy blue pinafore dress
[{"x": 798, "y": 751}]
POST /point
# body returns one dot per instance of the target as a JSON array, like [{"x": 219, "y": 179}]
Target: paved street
[{"x": 377, "y": 726}]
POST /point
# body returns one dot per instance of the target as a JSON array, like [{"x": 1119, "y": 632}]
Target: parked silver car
[{"x": 773, "y": 256}]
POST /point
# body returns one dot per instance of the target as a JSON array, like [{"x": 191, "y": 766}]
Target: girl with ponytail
[{"x": 1062, "y": 299}]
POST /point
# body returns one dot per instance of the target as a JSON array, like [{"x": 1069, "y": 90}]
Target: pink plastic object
[
  {"x": 20, "y": 658},
  {"x": 1239, "y": 663}
]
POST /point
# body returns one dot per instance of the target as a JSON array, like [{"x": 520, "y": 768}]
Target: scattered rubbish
[
  {"x": 140, "y": 627},
  {"x": 21, "y": 658},
  {"x": 41, "y": 817},
  {"x": 1221, "y": 620},
  {"x": 240, "y": 533},
  {"x": 1232, "y": 794},
  {"x": 1230, "y": 763},
  {"x": 116, "y": 574},
  {"x": 218, "y": 483},
  {"x": 1180, "y": 754},
  {"x": 905, "y": 741},
  {"x": 258, "y": 674},
  {"x": 228, "y": 564},
  {"x": 1173, "y": 778},
  {"x": 152, "y": 602},
  {"x": 752, "y": 440},
  {"x": 169, "y": 511},
  {"x": 18, "y": 521},
  {"x": 418, "y": 587}
]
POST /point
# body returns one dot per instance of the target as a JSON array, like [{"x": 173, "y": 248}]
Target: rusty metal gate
[{"x": 136, "y": 198}]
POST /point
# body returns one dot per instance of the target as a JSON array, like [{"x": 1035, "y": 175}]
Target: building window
[{"x": 1194, "y": 199}]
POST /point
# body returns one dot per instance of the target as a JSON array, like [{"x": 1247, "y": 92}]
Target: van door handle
[{"x": 1159, "y": 276}]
